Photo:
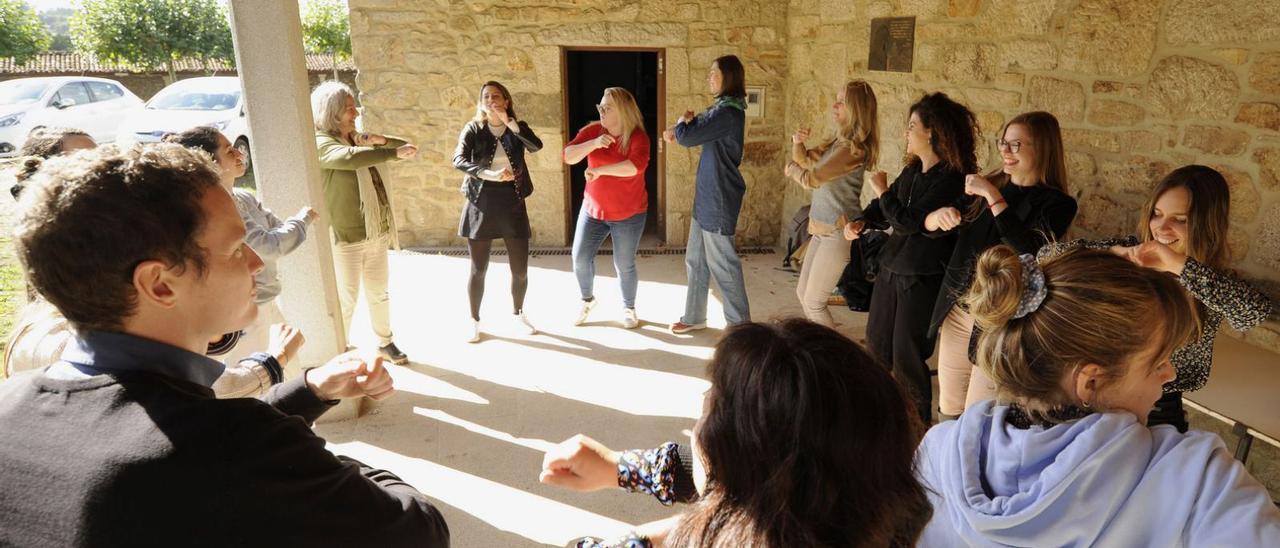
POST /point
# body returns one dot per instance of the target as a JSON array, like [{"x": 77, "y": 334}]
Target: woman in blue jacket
[{"x": 717, "y": 197}]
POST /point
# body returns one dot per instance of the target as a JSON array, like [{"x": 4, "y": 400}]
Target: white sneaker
[
  {"x": 586, "y": 310},
  {"x": 629, "y": 319},
  {"x": 524, "y": 319},
  {"x": 475, "y": 332}
]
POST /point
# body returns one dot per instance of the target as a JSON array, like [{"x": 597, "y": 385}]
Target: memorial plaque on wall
[{"x": 892, "y": 43}]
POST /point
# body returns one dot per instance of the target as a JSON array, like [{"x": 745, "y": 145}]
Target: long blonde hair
[
  {"x": 862, "y": 128},
  {"x": 628, "y": 114},
  {"x": 1098, "y": 308}
]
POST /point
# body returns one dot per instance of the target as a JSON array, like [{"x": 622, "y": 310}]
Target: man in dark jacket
[{"x": 121, "y": 442}]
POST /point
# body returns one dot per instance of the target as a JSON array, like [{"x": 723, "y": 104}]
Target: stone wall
[
  {"x": 421, "y": 64},
  {"x": 1140, "y": 88}
]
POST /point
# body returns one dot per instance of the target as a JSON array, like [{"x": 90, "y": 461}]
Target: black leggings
[{"x": 517, "y": 256}]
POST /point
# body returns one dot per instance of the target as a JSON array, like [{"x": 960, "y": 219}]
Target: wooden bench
[{"x": 1243, "y": 391}]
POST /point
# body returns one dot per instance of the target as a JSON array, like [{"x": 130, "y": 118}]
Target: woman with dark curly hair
[{"x": 940, "y": 151}]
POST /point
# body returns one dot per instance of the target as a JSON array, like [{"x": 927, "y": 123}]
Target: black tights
[{"x": 517, "y": 256}]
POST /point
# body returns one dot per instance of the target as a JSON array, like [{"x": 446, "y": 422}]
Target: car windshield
[
  {"x": 195, "y": 98},
  {"x": 21, "y": 92}
]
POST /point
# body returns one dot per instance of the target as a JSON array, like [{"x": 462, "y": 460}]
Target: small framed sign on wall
[
  {"x": 893, "y": 42},
  {"x": 755, "y": 101}
]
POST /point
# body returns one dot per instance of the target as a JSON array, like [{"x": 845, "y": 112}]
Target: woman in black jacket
[
  {"x": 491, "y": 153},
  {"x": 1023, "y": 204},
  {"x": 940, "y": 149}
]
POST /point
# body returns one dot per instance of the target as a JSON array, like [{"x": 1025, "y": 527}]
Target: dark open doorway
[{"x": 587, "y": 72}]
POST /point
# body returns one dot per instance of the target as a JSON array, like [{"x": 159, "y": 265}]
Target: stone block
[
  {"x": 1133, "y": 175},
  {"x": 1028, "y": 55},
  {"x": 1261, "y": 115},
  {"x": 1142, "y": 142},
  {"x": 762, "y": 154},
  {"x": 1209, "y": 22},
  {"x": 1030, "y": 17},
  {"x": 1215, "y": 140},
  {"x": 1109, "y": 113},
  {"x": 1185, "y": 87},
  {"x": 1237, "y": 244},
  {"x": 1104, "y": 215},
  {"x": 1245, "y": 199},
  {"x": 991, "y": 98},
  {"x": 963, "y": 8},
  {"x": 969, "y": 63},
  {"x": 1268, "y": 239},
  {"x": 1268, "y": 160},
  {"x": 1064, "y": 98},
  {"x": 1264, "y": 76},
  {"x": 1080, "y": 165},
  {"x": 1110, "y": 37}
]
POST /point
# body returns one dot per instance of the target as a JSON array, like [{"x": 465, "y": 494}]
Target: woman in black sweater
[
  {"x": 1022, "y": 204},
  {"x": 940, "y": 150}
]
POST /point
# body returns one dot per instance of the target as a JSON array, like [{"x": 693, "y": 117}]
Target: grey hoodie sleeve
[{"x": 270, "y": 237}]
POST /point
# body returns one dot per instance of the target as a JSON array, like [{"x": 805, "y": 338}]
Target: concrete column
[{"x": 273, "y": 75}]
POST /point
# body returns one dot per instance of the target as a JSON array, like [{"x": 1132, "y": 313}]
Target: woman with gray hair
[{"x": 358, "y": 205}]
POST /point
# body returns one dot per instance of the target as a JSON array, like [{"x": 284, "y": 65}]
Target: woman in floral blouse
[
  {"x": 763, "y": 467},
  {"x": 1183, "y": 231}
]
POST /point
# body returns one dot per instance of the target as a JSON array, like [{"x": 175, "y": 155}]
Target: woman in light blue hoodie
[{"x": 1079, "y": 348}]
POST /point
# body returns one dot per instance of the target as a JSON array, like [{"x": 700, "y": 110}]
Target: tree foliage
[
  {"x": 326, "y": 27},
  {"x": 22, "y": 34},
  {"x": 150, "y": 34}
]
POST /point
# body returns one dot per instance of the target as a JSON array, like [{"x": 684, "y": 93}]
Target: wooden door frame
[{"x": 661, "y": 164}]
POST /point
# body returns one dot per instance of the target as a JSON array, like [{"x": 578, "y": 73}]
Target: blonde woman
[
  {"x": 615, "y": 203},
  {"x": 357, "y": 202},
  {"x": 833, "y": 171},
  {"x": 491, "y": 152}
]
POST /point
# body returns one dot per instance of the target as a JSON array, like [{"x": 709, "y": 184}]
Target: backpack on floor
[
  {"x": 859, "y": 275},
  {"x": 797, "y": 238}
]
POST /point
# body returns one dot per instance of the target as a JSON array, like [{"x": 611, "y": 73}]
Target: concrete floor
[{"x": 470, "y": 422}]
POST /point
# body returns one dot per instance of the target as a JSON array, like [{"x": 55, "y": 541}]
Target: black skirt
[{"x": 497, "y": 213}]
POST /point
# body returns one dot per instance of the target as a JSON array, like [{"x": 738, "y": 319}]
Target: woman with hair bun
[{"x": 1078, "y": 345}]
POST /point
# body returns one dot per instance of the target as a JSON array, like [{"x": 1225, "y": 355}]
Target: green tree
[
  {"x": 326, "y": 28},
  {"x": 151, "y": 34},
  {"x": 58, "y": 23},
  {"x": 22, "y": 35}
]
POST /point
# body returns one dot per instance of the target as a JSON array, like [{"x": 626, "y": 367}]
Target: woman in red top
[{"x": 615, "y": 204}]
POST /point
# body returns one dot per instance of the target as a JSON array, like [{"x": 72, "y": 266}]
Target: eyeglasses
[
  {"x": 604, "y": 108},
  {"x": 1013, "y": 146}
]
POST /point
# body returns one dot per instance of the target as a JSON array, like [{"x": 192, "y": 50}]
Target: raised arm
[
  {"x": 704, "y": 128},
  {"x": 336, "y": 155}
]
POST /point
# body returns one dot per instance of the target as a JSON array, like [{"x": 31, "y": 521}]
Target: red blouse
[{"x": 611, "y": 198}]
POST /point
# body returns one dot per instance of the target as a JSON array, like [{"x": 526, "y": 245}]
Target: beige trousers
[
  {"x": 824, "y": 262},
  {"x": 364, "y": 263},
  {"x": 960, "y": 383}
]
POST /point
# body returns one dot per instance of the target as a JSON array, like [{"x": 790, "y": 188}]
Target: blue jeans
[
  {"x": 626, "y": 239},
  {"x": 710, "y": 254}
]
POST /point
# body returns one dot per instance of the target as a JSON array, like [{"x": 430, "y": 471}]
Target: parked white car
[
  {"x": 93, "y": 105},
  {"x": 208, "y": 101}
]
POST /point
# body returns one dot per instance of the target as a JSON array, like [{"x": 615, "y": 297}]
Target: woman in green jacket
[{"x": 353, "y": 179}]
